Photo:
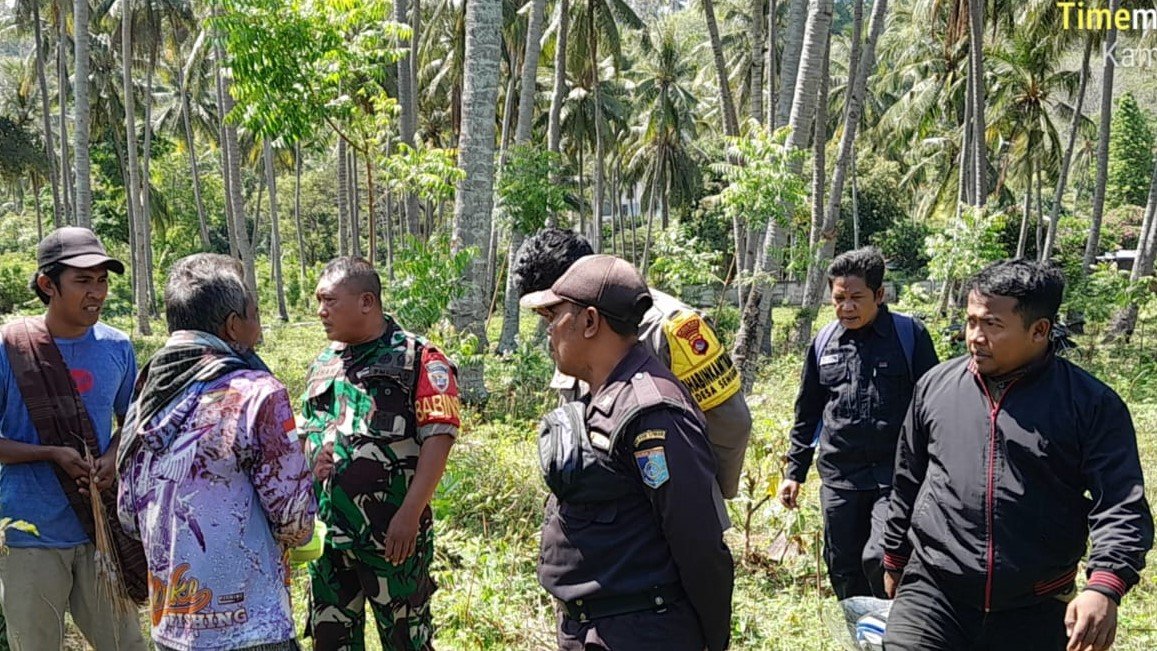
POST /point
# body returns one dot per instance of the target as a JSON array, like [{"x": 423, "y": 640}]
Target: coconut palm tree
[
  {"x": 1092, "y": 245},
  {"x": 28, "y": 12},
  {"x": 475, "y": 196},
  {"x": 730, "y": 119},
  {"x": 81, "y": 116}
]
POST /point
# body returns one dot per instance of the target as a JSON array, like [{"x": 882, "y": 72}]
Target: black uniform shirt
[
  {"x": 860, "y": 390},
  {"x": 667, "y": 530}
]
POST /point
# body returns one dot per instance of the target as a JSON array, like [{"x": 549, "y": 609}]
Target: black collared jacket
[
  {"x": 668, "y": 526},
  {"x": 859, "y": 389},
  {"x": 990, "y": 496}
]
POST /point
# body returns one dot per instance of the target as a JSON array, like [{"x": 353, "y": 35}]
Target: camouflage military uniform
[{"x": 376, "y": 402}]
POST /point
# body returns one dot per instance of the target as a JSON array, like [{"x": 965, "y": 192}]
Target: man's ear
[
  {"x": 1040, "y": 330},
  {"x": 590, "y": 322},
  {"x": 367, "y": 302},
  {"x": 879, "y": 295},
  {"x": 46, "y": 285}
]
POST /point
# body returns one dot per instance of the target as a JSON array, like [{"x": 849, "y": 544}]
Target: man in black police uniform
[
  {"x": 632, "y": 545},
  {"x": 857, "y": 381},
  {"x": 673, "y": 332}
]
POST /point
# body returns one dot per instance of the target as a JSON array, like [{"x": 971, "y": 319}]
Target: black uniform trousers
[
  {"x": 674, "y": 629},
  {"x": 924, "y": 618},
  {"x": 853, "y": 540}
]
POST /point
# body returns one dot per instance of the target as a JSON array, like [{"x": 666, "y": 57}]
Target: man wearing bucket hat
[
  {"x": 64, "y": 377},
  {"x": 213, "y": 478},
  {"x": 632, "y": 543}
]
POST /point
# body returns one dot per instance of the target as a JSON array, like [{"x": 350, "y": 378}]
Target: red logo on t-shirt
[{"x": 82, "y": 379}]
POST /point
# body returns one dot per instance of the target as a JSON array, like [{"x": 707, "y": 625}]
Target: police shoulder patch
[
  {"x": 653, "y": 466},
  {"x": 650, "y": 435}
]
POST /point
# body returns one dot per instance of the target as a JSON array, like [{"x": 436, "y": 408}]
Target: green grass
[{"x": 488, "y": 507}]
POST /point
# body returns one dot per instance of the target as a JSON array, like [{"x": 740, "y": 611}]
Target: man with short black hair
[
  {"x": 989, "y": 517},
  {"x": 380, "y": 414},
  {"x": 213, "y": 479},
  {"x": 632, "y": 545},
  {"x": 673, "y": 332},
  {"x": 64, "y": 379},
  {"x": 856, "y": 383}
]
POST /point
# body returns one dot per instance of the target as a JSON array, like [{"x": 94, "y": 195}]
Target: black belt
[{"x": 656, "y": 599}]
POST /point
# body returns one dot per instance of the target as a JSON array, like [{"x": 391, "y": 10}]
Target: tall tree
[
  {"x": 530, "y": 60},
  {"x": 1125, "y": 320},
  {"x": 45, "y": 114},
  {"x": 474, "y": 201},
  {"x": 825, "y": 234},
  {"x": 789, "y": 68},
  {"x": 81, "y": 116},
  {"x": 756, "y": 75},
  {"x": 976, "y": 52},
  {"x": 1093, "y": 244},
  {"x": 136, "y": 213},
  {"x": 1046, "y": 252},
  {"x": 275, "y": 236},
  {"x": 730, "y": 119}
]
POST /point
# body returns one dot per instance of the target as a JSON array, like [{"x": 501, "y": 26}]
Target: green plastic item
[{"x": 310, "y": 551}]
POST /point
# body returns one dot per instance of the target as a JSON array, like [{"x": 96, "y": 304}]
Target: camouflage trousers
[{"x": 343, "y": 581}]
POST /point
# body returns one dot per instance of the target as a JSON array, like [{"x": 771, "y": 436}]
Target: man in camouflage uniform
[
  {"x": 380, "y": 415},
  {"x": 675, "y": 333}
]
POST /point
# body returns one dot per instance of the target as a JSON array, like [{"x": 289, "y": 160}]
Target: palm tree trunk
[
  {"x": 371, "y": 222},
  {"x": 226, "y": 166},
  {"x": 137, "y": 217},
  {"x": 343, "y": 189},
  {"x": 235, "y": 195},
  {"x": 305, "y": 293},
  {"x": 1125, "y": 320},
  {"x": 1022, "y": 238},
  {"x": 817, "y": 242},
  {"x": 46, "y": 115},
  {"x": 854, "y": 56},
  {"x": 39, "y": 214},
  {"x": 82, "y": 113},
  {"x": 529, "y": 69},
  {"x": 600, "y": 144},
  {"x": 66, "y": 176},
  {"x": 1093, "y": 245},
  {"x": 509, "y": 108},
  {"x": 1040, "y": 210},
  {"x": 275, "y": 237},
  {"x": 554, "y": 127},
  {"x": 772, "y": 44},
  {"x": 976, "y": 47},
  {"x": 866, "y": 63},
  {"x": 792, "y": 52},
  {"x": 474, "y": 200},
  {"x": 355, "y": 204},
  {"x": 810, "y": 68},
  {"x": 757, "y": 60},
  {"x": 409, "y": 112},
  {"x": 1059, "y": 192},
  {"x": 730, "y": 120},
  {"x": 146, "y": 185},
  {"x": 191, "y": 146}
]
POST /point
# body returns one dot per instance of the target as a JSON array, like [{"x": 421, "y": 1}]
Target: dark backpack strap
[
  {"x": 906, "y": 330},
  {"x": 823, "y": 338}
]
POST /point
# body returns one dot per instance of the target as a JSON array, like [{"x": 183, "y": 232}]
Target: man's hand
[
  {"x": 323, "y": 463},
  {"x": 891, "y": 582},
  {"x": 1091, "y": 622},
  {"x": 789, "y": 493},
  {"x": 402, "y": 536},
  {"x": 104, "y": 470},
  {"x": 73, "y": 464}
]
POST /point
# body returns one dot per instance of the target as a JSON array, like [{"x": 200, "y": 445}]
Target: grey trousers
[{"x": 38, "y": 585}]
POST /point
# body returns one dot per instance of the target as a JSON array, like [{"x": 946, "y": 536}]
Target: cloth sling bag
[{"x": 60, "y": 418}]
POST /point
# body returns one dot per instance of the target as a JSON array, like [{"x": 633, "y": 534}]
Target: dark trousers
[
  {"x": 853, "y": 540},
  {"x": 923, "y": 618},
  {"x": 675, "y": 629}
]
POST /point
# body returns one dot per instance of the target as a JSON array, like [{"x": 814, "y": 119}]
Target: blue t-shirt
[{"x": 103, "y": 367}]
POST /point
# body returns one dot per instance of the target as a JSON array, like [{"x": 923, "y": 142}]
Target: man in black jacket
[
  {"x": 857, "y": 382},
  {"x": 989, "y": 518}
]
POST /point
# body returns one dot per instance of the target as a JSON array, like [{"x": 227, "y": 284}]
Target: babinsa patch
[
  {"x": 439, "y": 375},
  {"x": 653, "y": 466}
]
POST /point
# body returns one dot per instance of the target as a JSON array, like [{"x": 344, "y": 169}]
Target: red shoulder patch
[{"x": 436, "y": 401}]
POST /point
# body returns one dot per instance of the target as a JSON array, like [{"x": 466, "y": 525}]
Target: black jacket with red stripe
[{"x": 991, "y": 496}]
